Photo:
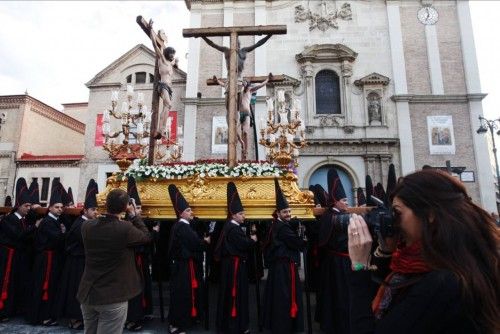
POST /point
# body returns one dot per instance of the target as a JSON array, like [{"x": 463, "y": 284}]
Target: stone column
[
  {"x": 260, "y": 69},
  {"x": 434, "y": 59},
  {"x": 190, "y": 110},
  {"x": 484, "y": 174},
  {"x": 400, "y": 87},
  {"x": 346, "y": 91}
]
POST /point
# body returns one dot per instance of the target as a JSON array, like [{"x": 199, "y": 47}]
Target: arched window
[
  {"x": 129, "y": 78},
  {"x": 327, "y": 93}
]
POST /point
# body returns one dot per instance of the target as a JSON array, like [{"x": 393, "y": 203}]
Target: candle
[
  {"x": 179, "y": 130},
  {"x": 130, "y": 90},
  {"x": 106, "y": 117},
  {"x": 105, "y": 129},
  {"x": 270, "y": 106},
  {"x": 140, "y": 128},
  {"x": 295, "y": 152},
  {"x": 124, "y": 107},
  {"x": 114, "y": 96},
  {"x": 262, "y": 123},
  {"x": 296, "y": 105},
  {"x": 145, "y": 141},
  {"x": 169, "y": 123},
  {"x": 140, "y": 98},
  {"x": 281, "y": 95}
]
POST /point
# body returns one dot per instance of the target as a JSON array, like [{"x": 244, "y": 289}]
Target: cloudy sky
[{"x": 52, "y": 49}]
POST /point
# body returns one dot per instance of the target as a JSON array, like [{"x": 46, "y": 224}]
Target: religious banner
[
  {"x": 99, "y": 138},
  {"x": 219, "y": 134},
  {"x": 441, "y": 137}
]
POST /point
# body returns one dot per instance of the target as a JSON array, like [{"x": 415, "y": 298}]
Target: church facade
[{"x": 379, "y": 82}]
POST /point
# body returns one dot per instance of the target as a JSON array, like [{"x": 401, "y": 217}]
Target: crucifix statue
[
  {"x": 235, "y": 59},
  {"x": 162, "y": 88}
]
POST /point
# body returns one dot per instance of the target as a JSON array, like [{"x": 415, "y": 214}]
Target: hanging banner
[
  {"x": 219, "y": 134},
  {"x": 441, "y": 136},
  {"x": 99, "y": 138}
]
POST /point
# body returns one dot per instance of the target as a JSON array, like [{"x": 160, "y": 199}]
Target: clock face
[{"x": 428, "y": 15}]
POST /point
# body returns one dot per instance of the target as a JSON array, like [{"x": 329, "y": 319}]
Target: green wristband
[{"x": 358, "y": 266}]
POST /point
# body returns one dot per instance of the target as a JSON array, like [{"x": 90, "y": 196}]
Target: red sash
[
  {"x": 6, "y": 277},
  {"x": 236, "y": 264},
  {"x": 138, "y": 260},
  {"x": 293, "y": 306},
  {"x": 46, "y": 281},
  {"x": 194, "y": 286}
]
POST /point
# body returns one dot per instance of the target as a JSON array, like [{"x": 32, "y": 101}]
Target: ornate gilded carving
[
  {"x": 324, "y": 20},
  {"x": 207, "y": 195}
]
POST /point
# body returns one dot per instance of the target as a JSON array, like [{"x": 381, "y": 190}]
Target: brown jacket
[{"x": 111, "y": 275}]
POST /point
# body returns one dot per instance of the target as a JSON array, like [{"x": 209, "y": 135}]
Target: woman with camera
[{"x": 442, "y": 277}]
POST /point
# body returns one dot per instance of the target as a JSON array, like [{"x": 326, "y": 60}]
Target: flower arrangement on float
[{"x": 204, "y": 168}]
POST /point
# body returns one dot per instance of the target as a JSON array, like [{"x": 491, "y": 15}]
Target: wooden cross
[
  {"x": 156, "y": 97},
  {"x": 233, "y": 32},
  {"x": 253, "y": 79}
]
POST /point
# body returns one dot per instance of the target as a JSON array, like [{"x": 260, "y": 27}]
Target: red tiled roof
[{"x": 67, "y": 157}]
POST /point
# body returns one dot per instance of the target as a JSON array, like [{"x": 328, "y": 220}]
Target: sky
[{"x": 51, "y": 49}]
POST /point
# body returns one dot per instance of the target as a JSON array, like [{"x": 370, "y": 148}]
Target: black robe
[
  {"x": 334, "y": 304},
  {"x": 283, "y": 311},
  {"x": 16, "y": 237},
  {"x": 49, "y": 256},
  {"x": 232, "y": 305},
  {"x": 185, "y": 257},
  {"x": 74, "y": 264}
]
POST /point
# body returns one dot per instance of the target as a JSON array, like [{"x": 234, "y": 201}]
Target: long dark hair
[{"x": 459, "y": 236}]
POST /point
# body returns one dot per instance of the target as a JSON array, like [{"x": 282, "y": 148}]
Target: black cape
[
  {"x": 232, "y": 304},
  {"x": 185, "y": 256},
  {"x": 283, "y": 311}
]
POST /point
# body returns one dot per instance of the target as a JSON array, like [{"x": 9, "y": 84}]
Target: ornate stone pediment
[
  {"x": 326, "y": 53},
  {"x": 373, "y": 79}
]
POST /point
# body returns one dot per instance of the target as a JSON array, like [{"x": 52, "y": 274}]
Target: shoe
[
  {"x": 75, "y": 324},
  {"x": 50, "y": 322}
]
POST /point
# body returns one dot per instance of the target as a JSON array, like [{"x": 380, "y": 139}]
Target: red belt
[
  {"x": 236, "y": 263},
  {"x": 293, "y": 306},
  {"x": 194, "y": 285},
  {"x": 138, "y": 260},
  {"x": 6, "y": 277},
  {"x": 46, "y": 281}
]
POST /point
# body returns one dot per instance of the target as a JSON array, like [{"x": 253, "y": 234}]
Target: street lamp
[{"x": 492, "y": 125}]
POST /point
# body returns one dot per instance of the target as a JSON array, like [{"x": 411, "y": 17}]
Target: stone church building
[{"x": 379, "y": 82}]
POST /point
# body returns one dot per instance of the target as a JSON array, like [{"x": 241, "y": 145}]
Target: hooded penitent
[
  {"x": 369, "y": 191},
  {"x": 178, "y": 201},
  {"x": 90, "y": 195},
  {"x": 132, "y": 190},
  {"x": 335, "y": 187},
  {"x": 56, "y": 194},
  {"x": 360, "y": 196},
  {"x": 233, "y": 200},
  {"x": 34, "y": 192},
  {"x": 281, "y": 202},
  {"x": 22, "y": 192}
]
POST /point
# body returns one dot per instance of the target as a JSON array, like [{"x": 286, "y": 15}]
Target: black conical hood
[
  {"x": 281, "y": 202},
  {"x": 335, "y": 187},
  {"x": 70, "y": 196},
  {"x": 380, "y": 192},
  {"x": 34, "y": 191},
  {"x": 132, "y": 190},
  {"x": 90, "y": 195},
  {"x": 64, "y": 195},
  {"x": 316, "y": 199},
  {"x": 369, "y": 190},
  {"x": 8, "y": 202},
  {"x": 234, "y": 204},
  {"x": 56, "y": 194},
  {"x": 360, "y": 195},
  {"x": 321, "y": 194},
  {"x": 22, "y": 192},
  {"x": 178, "y": 201},
  {"x": 391, "y": 180}
]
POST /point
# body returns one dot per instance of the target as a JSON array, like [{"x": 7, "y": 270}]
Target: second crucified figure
[{"x": 166, "y": 64}]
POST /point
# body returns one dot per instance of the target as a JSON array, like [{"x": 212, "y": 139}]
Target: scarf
[{"x": 406, "y": 266}]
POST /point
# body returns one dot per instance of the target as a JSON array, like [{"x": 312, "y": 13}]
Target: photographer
[
  {"x": 111, "y": 276},
  {"x": 444, "y": 272}
]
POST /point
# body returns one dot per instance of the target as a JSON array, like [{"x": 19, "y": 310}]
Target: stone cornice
[
  {"x": 211, "y": 101},
  {"x": 68, "y": 163},
  {"x": 56, "y": 116},
  {"x": 353, "y": 141},
  {"x": 452, "y": 98},
  {"x": 372, "y": 79}
]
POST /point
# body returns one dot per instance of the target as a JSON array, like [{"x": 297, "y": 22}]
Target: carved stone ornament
[
  {"x": 328, "y": 121},
  {"x": 324, "y": 20}
]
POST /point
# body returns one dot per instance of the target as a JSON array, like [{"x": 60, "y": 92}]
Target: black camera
[{"x": 380, "y": 220}]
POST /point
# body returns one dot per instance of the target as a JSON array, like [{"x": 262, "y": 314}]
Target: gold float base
[{"x": 207, "y": 196}]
